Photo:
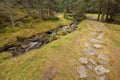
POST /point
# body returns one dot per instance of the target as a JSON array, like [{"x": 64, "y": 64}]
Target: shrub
[{"x": 51, "y": 18}]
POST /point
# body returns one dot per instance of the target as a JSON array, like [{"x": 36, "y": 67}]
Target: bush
[
  {"x": 11, "y": 29},
  {"x": 25, "y": 19},
  {"x": 64, "y": 33},
  {"x": 51, "y": 18},
  {"x": 68, "y": 16}
]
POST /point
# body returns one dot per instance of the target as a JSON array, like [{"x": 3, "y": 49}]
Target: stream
[{"x": 36, "y": 41}]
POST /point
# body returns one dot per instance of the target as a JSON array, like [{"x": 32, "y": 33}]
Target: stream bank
[{"x": 23, "y": 45}]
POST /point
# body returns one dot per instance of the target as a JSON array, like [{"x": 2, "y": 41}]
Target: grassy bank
[
  {"x": 57, "y": 59},
  {"x": 36, "y": 26}
]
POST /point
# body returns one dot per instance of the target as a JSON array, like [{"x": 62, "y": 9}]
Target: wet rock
[
  {"x": 97, "y": 46},
  {"x": 101, "y": 70},
  {"x": 83, "y": 60},
  {"x": 103, "y": 78},
  {"x": 53, "y": 33},
  {"x": 39, "y": 44},
  {"x": 104, "y": 57},
  {"x": 82, "y": 72},
  {"x": 65, "y": 28},
  {"x": 90, "y": 52},
  {"x": 24, "y": 46},
  {"x": 32, "y": 44}
]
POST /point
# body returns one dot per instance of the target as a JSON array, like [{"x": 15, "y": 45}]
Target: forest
[
  {"x": 59, "y": 39},
  {"x": 107, "y": 10}
]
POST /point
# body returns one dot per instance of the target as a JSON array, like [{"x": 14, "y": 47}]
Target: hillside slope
[{"x": 59, "y": 60}]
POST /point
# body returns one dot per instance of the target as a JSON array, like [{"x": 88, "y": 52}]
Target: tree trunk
[
  {"x": 99, "y": 11},
  {"x": 27, "y": 7},
  {"x": 99, "y": 16},
  {"x": 41, "y": 9},
  {"x": 10, "y": 13},
  {"x": 107, "y": 14},
  {"x": 102, "y": 16}
]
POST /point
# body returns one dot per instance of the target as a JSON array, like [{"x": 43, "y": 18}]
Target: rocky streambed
[{"x": 23, "y": 45}]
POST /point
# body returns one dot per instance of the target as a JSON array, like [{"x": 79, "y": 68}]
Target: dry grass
[{"x": 114, "y": 46}]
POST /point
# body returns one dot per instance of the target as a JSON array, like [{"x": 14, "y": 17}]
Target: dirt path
[{"x": 96, "y": 60}]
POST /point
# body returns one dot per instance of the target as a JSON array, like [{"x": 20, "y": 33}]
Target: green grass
[
  {"x": 61, "y": 54},
  {"x": 115, "y": 34},
  {"x": 34, "y": 27},
  {"x": 92, "y": 15}
]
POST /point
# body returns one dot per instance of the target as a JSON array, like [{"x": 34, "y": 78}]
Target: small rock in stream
[
  {"x": 32, "y": 44},
  {"x": 101, "y": 70},
  {"x": 24, "y": 46},
  {"x": 82, "y": 72}
]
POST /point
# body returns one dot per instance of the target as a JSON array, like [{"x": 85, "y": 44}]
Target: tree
[
  {"x": 9, "y": 11},
  {"x": 26, "y": 5}
]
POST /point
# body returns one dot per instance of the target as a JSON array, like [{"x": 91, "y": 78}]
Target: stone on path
[
  {"x": 95, "y": 40},
  {"x": 100, "y": 36},
  {"x": 103, "y": 78},
  {"x": 82, "y": 72},
  {"x": 88, "y": 45},
  {"x": 104, "y": 57},
  {"x": 98, "y": 31},
  {"x": 90, "y": 66},
  {"x": 83, "y": 60},
  {"x": 93, "y": 34},
  {"x": 101, "y": 62},
  {"x": 97, "y": 46},
  {"x": 90, "y": 52},
  {"x": 89, "y": 26},
  {"x": 101, "y": 70},
  {"x": 92, "y": 61}
]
